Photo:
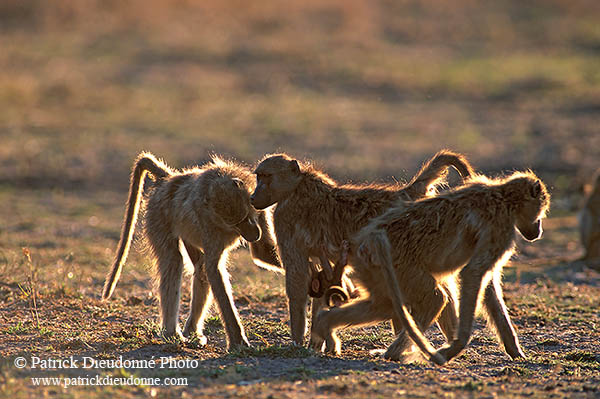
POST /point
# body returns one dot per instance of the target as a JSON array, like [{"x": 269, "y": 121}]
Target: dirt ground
[
  {"x": 553, "y": 303},
  {"x": 366, "y": 89}
]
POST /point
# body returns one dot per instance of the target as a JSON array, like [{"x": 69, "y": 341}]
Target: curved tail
[
  {"x": 434, "y": 171},
  {"x": 144, "y": 163},
  {"x": 375, "y": 249}
]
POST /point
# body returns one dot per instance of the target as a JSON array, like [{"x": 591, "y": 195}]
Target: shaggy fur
[
  {"x": 314, "y": 214},
  {"x": 206, "y": 209},
  {"x": 403, "y": 256}
]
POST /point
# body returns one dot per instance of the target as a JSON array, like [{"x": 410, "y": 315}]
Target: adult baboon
[
  {"x": 589, "y": 225},
  {"x": 314, "y": 214},
  {"x": 403, "y": 256},
  {"x": 207, "y": 209}
]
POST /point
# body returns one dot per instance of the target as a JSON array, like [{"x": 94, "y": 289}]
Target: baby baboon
[
  {"x": 402, "y": 256},
  {"x": 589, "y": 225},
  {"x": 207, "y": 209},
  {"x": 332, "y": 282},
  {"x": 314, "y": 215}
]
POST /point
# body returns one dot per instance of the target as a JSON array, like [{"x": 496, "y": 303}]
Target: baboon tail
[
  {"x": 378, "y": 248},
  {"x": 144, "y": 163},
  {"x": 434, "y": 171}
]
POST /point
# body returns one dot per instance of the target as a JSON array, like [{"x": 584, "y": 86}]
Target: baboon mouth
[
  {"x": 249, "y": 231},
  {"x": 259, "y": 206}
]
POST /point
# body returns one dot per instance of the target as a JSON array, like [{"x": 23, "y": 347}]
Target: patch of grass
[
  {"x": 516, "y": 370},
  {"x": 19, "y": 329},
  {"x": 582, "y": 357}
]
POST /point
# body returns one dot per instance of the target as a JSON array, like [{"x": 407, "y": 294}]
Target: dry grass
[{"x": 368, "y": 89}]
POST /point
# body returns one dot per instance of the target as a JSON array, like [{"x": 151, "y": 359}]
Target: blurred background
[{"x": 367, "y": 89}]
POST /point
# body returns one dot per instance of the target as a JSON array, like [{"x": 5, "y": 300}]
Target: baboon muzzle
[{"x": 249, "y": 230}]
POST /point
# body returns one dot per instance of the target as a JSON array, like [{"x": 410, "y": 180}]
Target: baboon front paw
[
  {"x": 391, "y": 354},
  {"x": 173, "y": 335},
  {"x": 189, "y": 331},
  {"x": 443, "y": 355},
  {"x": 238, "y": 345},
  {"x": 194, "y": 337},
  {"x": 519, "y": 355}
]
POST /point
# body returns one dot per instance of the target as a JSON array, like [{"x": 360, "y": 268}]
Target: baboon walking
[
  {"x": 589, "y": 225},
  {"x": 314, "y": 214},
  {"x": 206, "y": 209},
  {"x": 403, "y": 256}
]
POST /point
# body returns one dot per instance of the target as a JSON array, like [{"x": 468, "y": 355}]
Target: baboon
[
  {"x": 589, "y": 225},
  {"x": 332, "y": 282},
  {"x": 402, "y": 257},
  {"x": 204, "y": 211},
  {"x": 314, "y": 214}
]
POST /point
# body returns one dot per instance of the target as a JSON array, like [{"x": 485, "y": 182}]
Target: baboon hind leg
[
  {"x": 201, "y": 295},
  {"x": 471, "y": 280},
  {"x": 425, "y": 309},
  {"x": 355, "y": 313},
  {"x": 170, "y": 270}
]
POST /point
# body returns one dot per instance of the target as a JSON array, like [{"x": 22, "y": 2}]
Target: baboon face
[
  {"x": 230, "y": 203},
  {"x": 529, "y": 220},
  {"x": 276, "y": 178},
  {"x": 531, "y": 231}
]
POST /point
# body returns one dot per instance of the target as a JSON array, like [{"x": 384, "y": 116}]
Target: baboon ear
[
  {"x": 536, "y": 189},
  {"x": 294, "y": 166}
]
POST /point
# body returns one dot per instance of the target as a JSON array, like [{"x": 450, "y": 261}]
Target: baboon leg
[
  {"x": 448, "y": 320},
  {"x": 425, "y": 309},
  {"x": 318, "y": 304},
  {"x": 297, "y": 278},
  {"x": 471, "y": 278},
  {"x": 397, "y": 325},
  {"x": 498, "y": 317},
  {"x": 170, "y": 270},
  {"x": 359, "y": 312},
  {"x": 216, "y": 259},
  {"x": 201, "y": 295}
]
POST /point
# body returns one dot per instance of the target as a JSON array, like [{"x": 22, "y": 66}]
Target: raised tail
[
  {"x": 144, "y": 163},
  {"x": 433, "y": 172},
  {"x": 375, "y": 248}
]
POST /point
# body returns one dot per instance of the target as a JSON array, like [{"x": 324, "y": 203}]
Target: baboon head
[
  {"x": 318, "y": 283},
  {"x": 277, "y": 176},
  {"x": 230, "y": 202},
  {"x": 533, "y": 209}
]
